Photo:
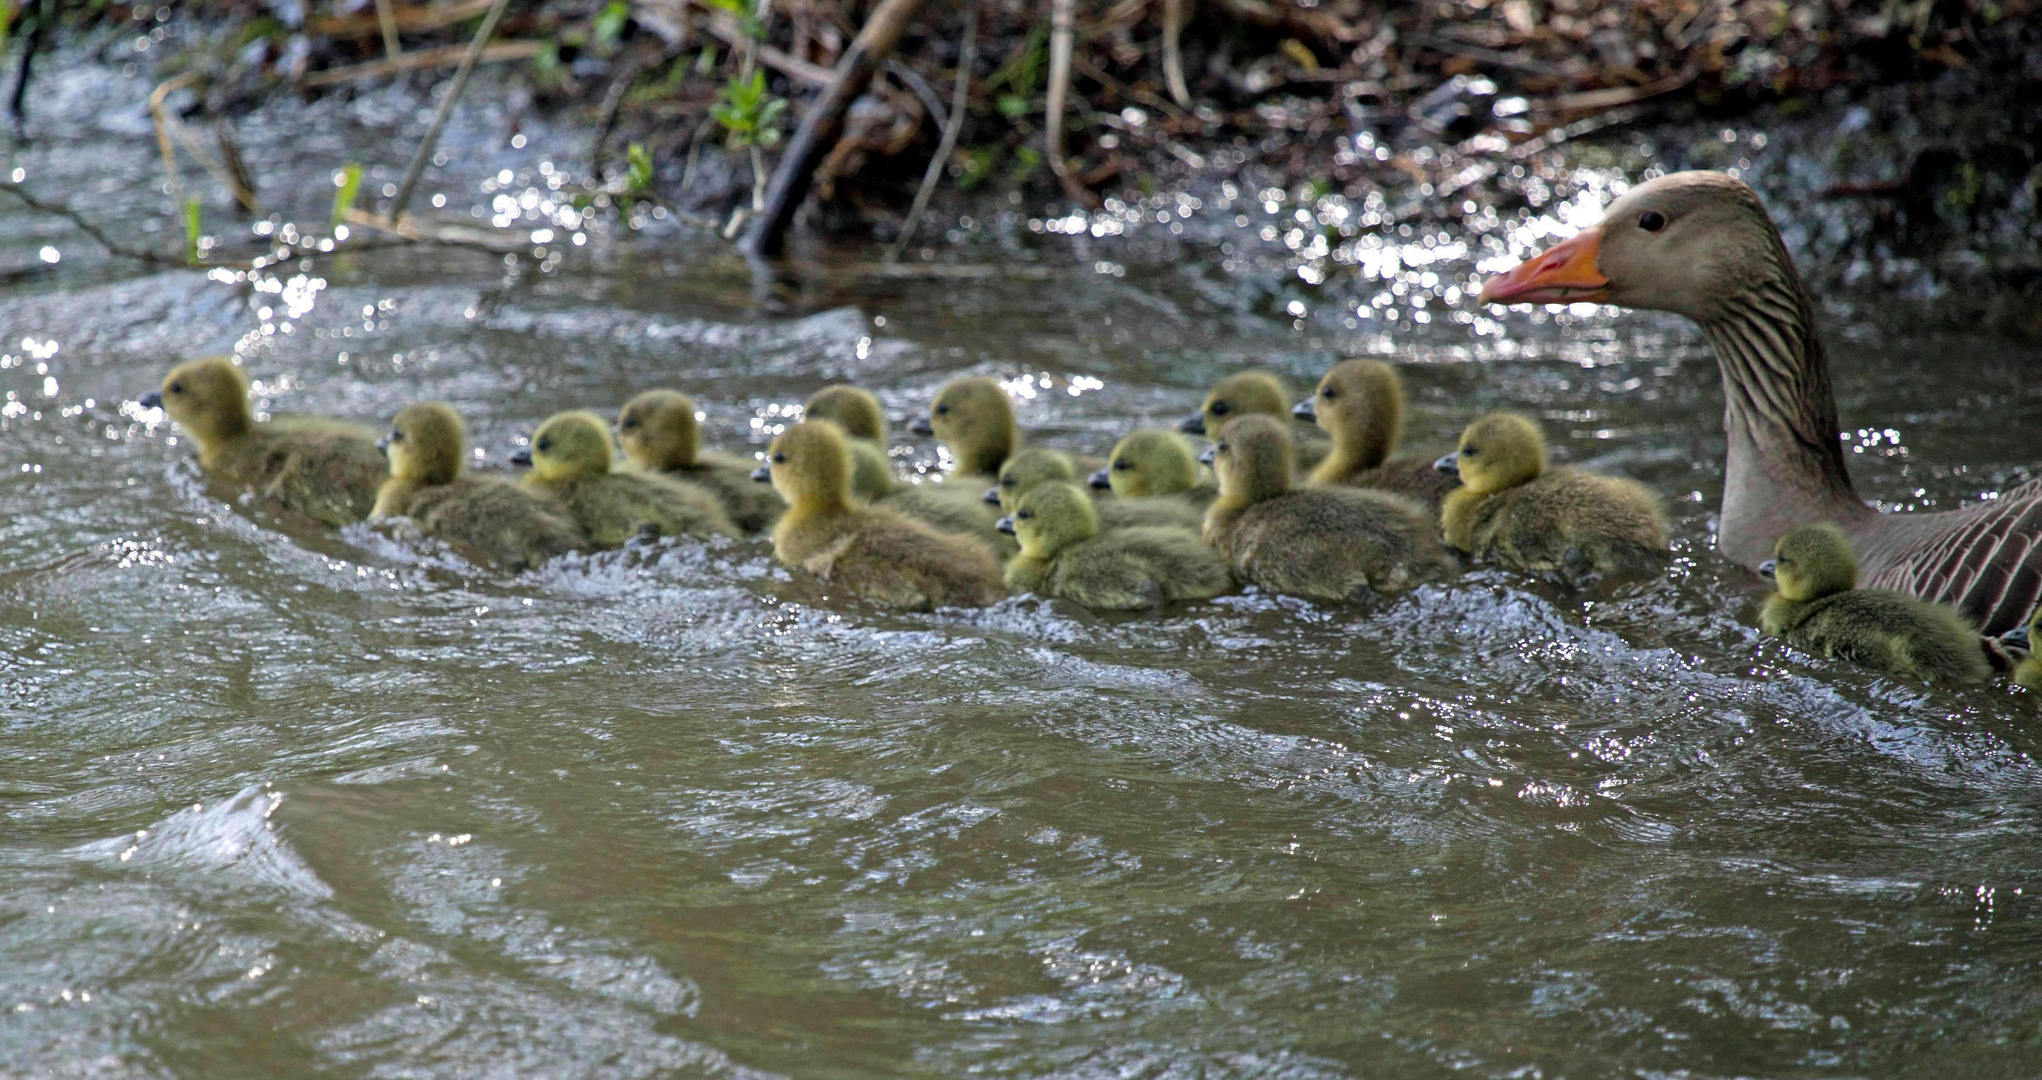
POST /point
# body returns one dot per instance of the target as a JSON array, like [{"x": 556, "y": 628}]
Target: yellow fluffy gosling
[
  {"x": 1065, "y": 554},
  {"x": 1511, "y": 508},
  {"x": 1817, "y": 606},
  {"x": 660, "y": 434},
  {"x": 571, "y": 457},
  {"x": 496, "y": 520}
]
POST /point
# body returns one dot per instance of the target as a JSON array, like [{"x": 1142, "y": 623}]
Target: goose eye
[
  {"x": 779, "y": 457},
  {"x": 1328, "y": 393},
  {"x": 1006, "y": 481},
  {"x": 1652, "y": 221},
  {"x": 396, "y": 435},
  {"x": 1220, "y": 408},
  {"x": 629, "y": 423},
  {"x": 177, "y": 388},
  {"x": 1026, "y": 515},
  {"x": 1220, "y": 447},
  {"x": 1469, "y": 451},
  {"x": 942, "y": 410},
  {"x": 543, "y": 445},
  {"x": 1122, "y": 466}
]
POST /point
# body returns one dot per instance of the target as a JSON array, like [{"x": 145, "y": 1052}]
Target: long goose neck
[{"x": 1786, "y": 464}]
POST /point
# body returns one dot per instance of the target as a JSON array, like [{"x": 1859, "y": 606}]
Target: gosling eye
[
  {"x": 779, "y": 457},
  {"x": 1006, "y": 481},
  {"x": 177, "y": 388},
  {"x": 1469, "y": 451},
  {"x": 1122, "y": 466},
  {"x": 629, "y": 423},
  {"x": 1329, "y": 393},
  {"x": 1026, "y": 515},
  {"x": 1652, "y": 221},
  {"x": 1221, "y": 408},
  {"x": 396, "y": 435},
  {"x": 942, "y": 410},
  {"x": 1220, "y": 447},
  {"x": 543, "y": 445}
]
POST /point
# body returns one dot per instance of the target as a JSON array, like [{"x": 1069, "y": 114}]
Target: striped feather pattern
[{"x": 1986, "y": 561}]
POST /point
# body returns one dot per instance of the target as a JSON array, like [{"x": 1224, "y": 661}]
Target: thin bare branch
[
  {"x": 432, "y": 131},
  {"x": 960, "y": 98}
]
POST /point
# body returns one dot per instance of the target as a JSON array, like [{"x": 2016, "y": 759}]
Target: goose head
[
  {"x": 1810, "y": 562},
  {"x": 427, "y": 444},
  {"x": 569, "y": 446},
  {"x": 1252, "y": 458},
  {"x": 1243, "y": 393},
  {"x": 659, "y": 430},
  {"x": 1361, "y": 404},
  {"x": 810, "y": 466},
  {"x": 1688, "y": 242},
  {"x": 208, "y": 398},
  {"x": 1149, "y": 462},
  {"x": 854, "y": 410},
  {"x": 973, "y": 419},
  {"x": 1022, "y": 472},
  {"x": 1051, "y": 517},
  {"x": 1499, "y": 451}
]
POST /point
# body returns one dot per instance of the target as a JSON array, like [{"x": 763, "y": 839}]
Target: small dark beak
[
  {"x": 522, "y": 458},
  {"x": 2017, "y": 636},
  {"x": 1450, "y": 464},
  {"x": 1193, "y": 424},
  {"x": 920, "y": 426},
  {"x": 763, "y": 474},
  {"x": 992, "y": 495},
  {"x": 1211, "y": 454},
  {"x": 1303, "y": 411},
  {"x": 1005, "y": 525},
  {"x": 383, "y": 444},
  {"x": 151, "y": 400},
  {"x": 1765, "y": 569},
  {"x": 1100, "y": 480}
]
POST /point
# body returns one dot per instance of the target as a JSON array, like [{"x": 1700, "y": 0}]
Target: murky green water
[{"x": 286, "y": 802}]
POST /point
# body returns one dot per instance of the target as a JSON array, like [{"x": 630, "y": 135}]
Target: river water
[{"x": 285, "y": 801}]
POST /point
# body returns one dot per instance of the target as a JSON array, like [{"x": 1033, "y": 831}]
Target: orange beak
[{"x": 1561, "y": 274}]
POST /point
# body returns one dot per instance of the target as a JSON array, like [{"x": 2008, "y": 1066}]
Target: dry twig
[
  {"x": 432, "y": 131},
  {"x": 960, "y": 98}
]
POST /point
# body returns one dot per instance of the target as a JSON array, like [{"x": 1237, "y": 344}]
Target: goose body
[
  {"x": 1818, "y": 608},
  {"x": 1321, "y": 543},
  {"x": 1360, "y": 403},
  {"x": 1511, "y": 508},
  {"x": 1700, "y": 244},
  {"x": 1066, "y": 554},
  {"x": 660, "y": 435},
  {"x": 326, "y": 469},
  {"x": 873, "y": 551},
  {"x": 497, "y": 520},
  {"x": 571, "y": 458}
]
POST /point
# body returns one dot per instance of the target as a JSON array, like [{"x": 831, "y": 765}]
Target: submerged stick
[
  {"x": 432, "y": 131},
  {"x": 959, "y": 99},
  {"x": 824, "y": 123}
]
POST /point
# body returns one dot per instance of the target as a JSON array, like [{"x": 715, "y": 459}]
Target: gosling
[
  {"x": 496, "y": 520},
  {"x": 1817, "y": 606},
  {"x": 864, "y": 423},
  {"x": 1320, "y": 543},
  {"x": 1151, "y": 463},
  {"x": 660, "y": 435},
  {"x": 1065, "y": 554},
  {"x": 571, "y": 455},
  {"x": 326, "y": 469},
  {"x": 2028, "y": 672},
  {"x": 873, "y": 551},
  {"x": 1360, "y": 403},
  {"x": 1254, "y": 393},
  {"x": 1035, "y": 466},
  {"x": 973, "y": 420},
  {"x": 1510, "y": 507}
]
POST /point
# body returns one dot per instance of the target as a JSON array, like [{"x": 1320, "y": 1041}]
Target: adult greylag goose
[{"x": 1700, "y": 244}]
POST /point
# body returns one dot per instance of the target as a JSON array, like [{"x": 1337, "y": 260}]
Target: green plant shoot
[
  {"x": 348, "y": 187},
  {"x": 750, "y": 115}
]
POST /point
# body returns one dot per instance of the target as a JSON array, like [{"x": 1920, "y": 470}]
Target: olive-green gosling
[
  {"x": 974, "y": 421},
  {"x": 2028, "y": 672},
  {"x": 1321, "y": 543},
  {"x": 1255, "y": 393},
  {"x": 571, "y": 458},
  {"x": 325, "y": 469},
  {"x": 1035, "y": 466},
  {"x": 1817, "y": 606},
  {"x": 1064, "y": 554},
  {"x": 1150, "y": 463},
  {"x": 873, "y": 551},
  {"x": 1513, "y": 509},
  {"x": 660, "y": 433},
  {"x": 858, "y": 413},
  {"x": 494, "y": 520},
  {"x": 1360, "y": 403}
]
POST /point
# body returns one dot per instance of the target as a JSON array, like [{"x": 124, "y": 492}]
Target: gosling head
[
  {"x": 1024, "y": 471},
  {"x": 208, "y": 398},
  {"x": 1051, "y": 517},
  {"x": 659, "y": 430},
  {"x": 1688, "y": 242},
  {"x": 856, "y": 411},
  {"x": 810, "y": 466},
  {"x": 973, "y": 418},
  {"x": 1810, "y": 562},
  {"x": 1147, "y": 462},
  {"x": 1243, "y": 393},
  {"x": 1501, "y": 450},
  {"x": 1361, "y": 404},
  {"x": 571, "y": 445},
  {"x": 427, "y": 444},
  {"x": 1252, "y": 458}
]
